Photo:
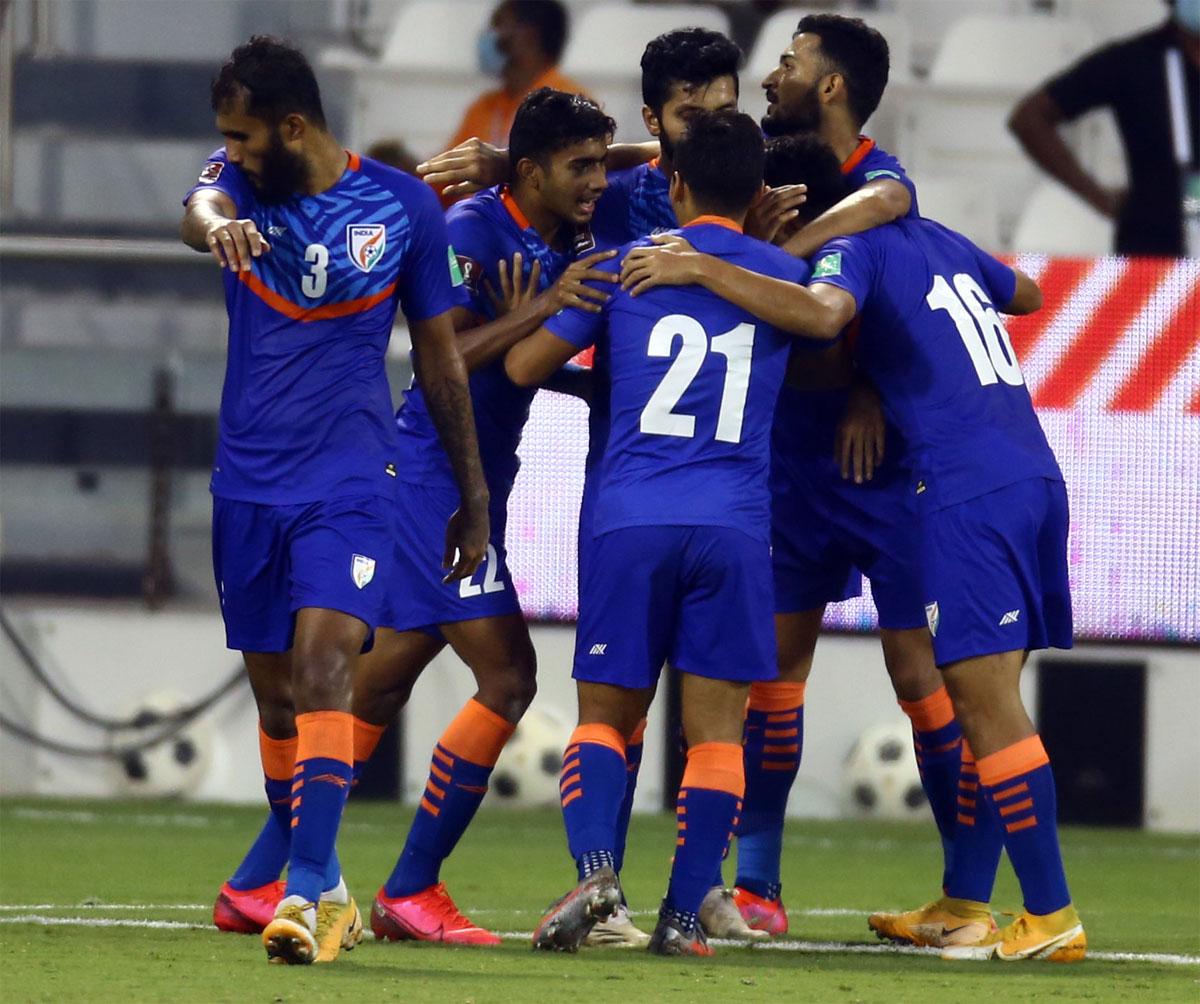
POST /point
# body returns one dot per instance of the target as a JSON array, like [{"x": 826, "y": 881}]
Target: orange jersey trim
[
  {"x": 865, "y": 146},
  {"x": 328, "y": 312},
  {"x": 719, "y": 221},
  {"x": 354, "y": 161},
  {"x": 514, "y": 210}
]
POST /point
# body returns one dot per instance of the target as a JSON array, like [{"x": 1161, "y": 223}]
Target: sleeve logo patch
[
  {"x": 212, "y": 171},
  {"x": 830, "y": 264},
  {"x": 872, "y": 175},
  {"x": 471, "y": 272},
  {"x": 456, "y": 272}
]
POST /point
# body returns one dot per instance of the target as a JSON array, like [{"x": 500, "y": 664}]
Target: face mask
[
  {"x": 488, "y": 55},
  {"x": 1187, "y": 13}
]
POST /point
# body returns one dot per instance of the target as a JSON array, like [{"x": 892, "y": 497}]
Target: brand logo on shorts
[
  {"x": 1010, "y": 617},
  {"x": 933, "y": 617},
  {"x": 362, "y": 570},
  {"x": 365, "y": 243},
  {"x": 598, "y": 649}
]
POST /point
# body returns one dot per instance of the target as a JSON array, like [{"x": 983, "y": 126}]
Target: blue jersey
[
  {"x": 936, "y": 349},
  {"x": 485, "y": 230},
  {"x": 636, "y": 203},
  {"x": 693, "y": 385},
  {"x": 306, "y": 412},
  {"x": 807, "y": 421}
]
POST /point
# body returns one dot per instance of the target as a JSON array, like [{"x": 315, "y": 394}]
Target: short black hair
[
  {"x": 275, "y": 78},
  {"x": 806, "y": 159},
  {"x": 721, "y": 159},
  {"x": 858, "y": 52},
  {"x": 549, "y": 17},
  {"x": 549, "y": 120},
  {"x": 689, "y": 56}
]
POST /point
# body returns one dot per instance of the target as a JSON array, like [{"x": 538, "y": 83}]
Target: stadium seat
[
  {"x": 419, "y": 40},
  {"x": 961, "y": 205},
  {"x": 605, "y": 52},
  {"x": 1056, "y": 222},
  {"x": 982, "y": 50}
]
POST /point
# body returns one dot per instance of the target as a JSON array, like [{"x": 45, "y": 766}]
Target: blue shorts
[
  {"x": 827, "y": 532},
  {"x": 417, "y": 597},
  {"x": 696, "y": 596},
  {"x": 995, "y": 572},
  {"x": 271, "y": 560}
]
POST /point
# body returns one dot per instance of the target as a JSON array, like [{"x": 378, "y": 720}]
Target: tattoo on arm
[{"x": 449, "y": 401}]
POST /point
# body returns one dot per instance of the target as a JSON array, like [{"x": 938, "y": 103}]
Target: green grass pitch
[{"x": 110, "y": 901}]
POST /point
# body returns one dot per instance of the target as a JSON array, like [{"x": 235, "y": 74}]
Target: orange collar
[
  {"x": 653, "y": 165},
  {"x": 355, "y": 161},
  {"x": 514, "y": 210},
  {"x": 865, "y": 146},
  {"x": 716, "y": 221}
]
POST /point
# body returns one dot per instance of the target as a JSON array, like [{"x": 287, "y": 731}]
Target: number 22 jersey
[{"x": 306, "y": 412}]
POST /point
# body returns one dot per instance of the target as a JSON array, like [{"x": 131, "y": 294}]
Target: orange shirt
[{"x": 490, "y": 116}]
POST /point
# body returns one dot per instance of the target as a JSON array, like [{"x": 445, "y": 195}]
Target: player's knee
[
  {"x": 510, "y": 689},
  {"x": 322, "y": 677}
]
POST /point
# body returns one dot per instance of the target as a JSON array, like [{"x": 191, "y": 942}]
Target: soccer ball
[
  {"x": 172, "y": 767},
  {"x": 880, "y": 778},
  {"x": 527, "y": 772}
]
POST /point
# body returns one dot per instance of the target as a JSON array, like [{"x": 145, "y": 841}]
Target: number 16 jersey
[
  {"x": 693, "y": 384},
  {"x": 306, "y": 412}
]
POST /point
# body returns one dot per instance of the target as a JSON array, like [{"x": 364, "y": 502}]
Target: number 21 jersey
[
  {"x": 693, "y": 386},
  {"x": 306, "y": 412}
]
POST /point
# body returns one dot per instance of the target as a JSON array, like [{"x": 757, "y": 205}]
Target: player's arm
[
  {"x": 874, "y": 204},
  {"x": 532, "y": 361},
  {"x": 442, "y": 377},
  {"x": 522, "y": 309},
  {"x": 210, "y": 224},
  {"x": 1027, "y": 298},
  {"x": 819, "y": 312},
  {"x": 475, "y": 164}
]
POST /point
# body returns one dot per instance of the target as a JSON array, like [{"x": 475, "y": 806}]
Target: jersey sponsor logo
[
  {"x": 470, "y": 270},
  {"x": 212, "y": 171},
  {"x": 922, "y": 488},
  {"x": 598, "y": 649},
  {"x": 456, "y": 273},
  {"x": 830, "y": 264},
  {"x": 390, "y": 470},
  {"x": 365, "y": 243},
  {"x": 276, "y": 231},
  {"x": 1010, "y": 617},
  {"x": 362, "y": 570},
  {"x": 933, "y": 617}
]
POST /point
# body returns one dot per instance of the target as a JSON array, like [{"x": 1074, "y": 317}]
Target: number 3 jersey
[
  {"x": 306, "y": 412},
  {"x": 934, "y": 345},
  {"x": 693, "y": 385}
]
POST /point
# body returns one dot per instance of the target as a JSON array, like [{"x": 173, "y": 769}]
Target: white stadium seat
[
  {"x": 436, "y": 35},
  {"x": 983, "y": 50},
  {"x": 963, "y": 205},
  {"x": 605, "y": 52},
  {"x": 1057, "y": 222}
]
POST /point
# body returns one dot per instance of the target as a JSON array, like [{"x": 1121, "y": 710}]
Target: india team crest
[
  {"x": 932, "y": 614},
  {"x": 365, "y": 243},
  {"x": 362, "y": 570}
]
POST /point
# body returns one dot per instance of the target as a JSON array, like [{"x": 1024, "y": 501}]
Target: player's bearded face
[
  {"x": 282, "y": 173},
  {"x": 794, "y": 107}
]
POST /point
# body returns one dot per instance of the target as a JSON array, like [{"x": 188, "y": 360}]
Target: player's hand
[
  {"x": 466, "y": 540},
  {"x": 572, "y": 289},
  {"x": 772, "y": 209},
  {"x": 235, "y": 244},
  {"x": 515, "y": 290},
  {"x": 671, "y": 261},
  {"x": 861, "y": 434},
  {"x": 466, "y": 168}
]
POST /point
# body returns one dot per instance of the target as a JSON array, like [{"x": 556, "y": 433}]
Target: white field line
[{"x": 812, "y": 947}]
